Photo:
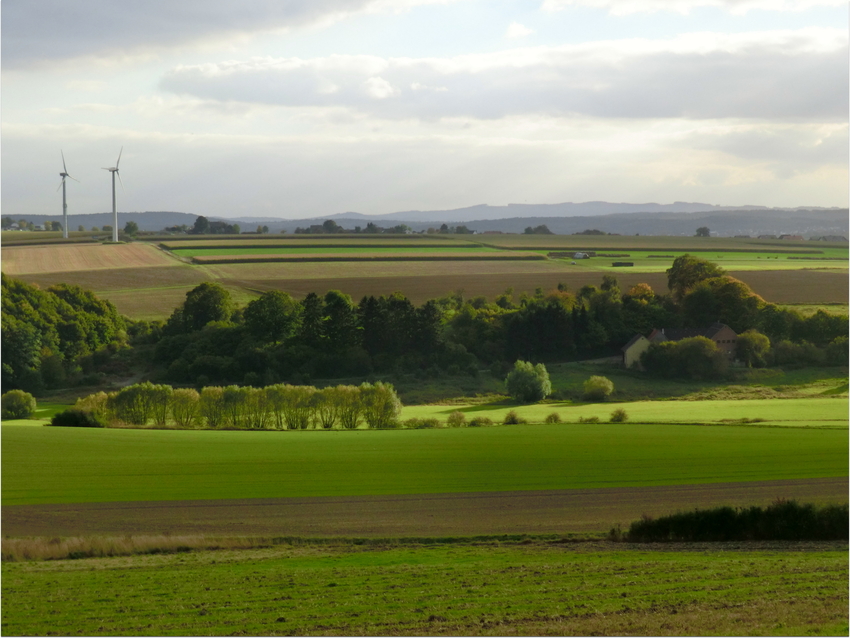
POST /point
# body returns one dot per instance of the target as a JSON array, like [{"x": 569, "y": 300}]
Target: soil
[{"x": 460, "y": 514}]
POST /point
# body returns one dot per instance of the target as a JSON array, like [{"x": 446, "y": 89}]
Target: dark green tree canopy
[
  {"x": 528, "y": 383},
  {"x": 205, "y": 303},
  {"x": 687, "y": 271},
  {"x": 272, "y": 317},
  {"x": 703, "y": 231}
]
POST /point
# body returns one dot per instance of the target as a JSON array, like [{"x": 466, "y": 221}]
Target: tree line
[
  {"x": 50, "y": 334},
  {"x": 275, "y": 407},
  {"x": 209, "y": 340}
]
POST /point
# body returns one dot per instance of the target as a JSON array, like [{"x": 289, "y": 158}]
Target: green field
[
  {"x": 815, "y": 412},
  {"x": 456, "y": 589},
  {"x": 55, "y": 465}
]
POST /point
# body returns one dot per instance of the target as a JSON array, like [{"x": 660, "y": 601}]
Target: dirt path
[{"x": 533, "y": 512}]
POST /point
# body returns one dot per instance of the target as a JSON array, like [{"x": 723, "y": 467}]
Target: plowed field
[{"x": 464, "y": 514}]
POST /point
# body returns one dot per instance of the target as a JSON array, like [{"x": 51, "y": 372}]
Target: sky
[{"x": 305, "y": 108}]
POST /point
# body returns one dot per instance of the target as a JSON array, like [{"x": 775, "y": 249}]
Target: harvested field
[
  {"x": 797, "y": 286},
  {"x": 64, "y": 258},
  {"x": 294, "y": 244},
  {"x": 464, "y": 514}
]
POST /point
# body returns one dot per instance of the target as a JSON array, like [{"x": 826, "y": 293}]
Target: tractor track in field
[{"x": 453, "y": 514}]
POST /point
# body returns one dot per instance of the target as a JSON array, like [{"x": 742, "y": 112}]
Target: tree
[
  {"x": 597, "y": 388},
  {"x": 703, "y": 231},
  {"x": 273, "y": 316},
  {"x": 381, "y": 405},
  {"x": 331, "y": 227},
  {"x": 81, "y": 228},
  {"x": 752, "y": 348},
  {"x": 205, "y": 303},
  {"x": 201, "y": 227},
  {"x": 687, "y": 271},
  {"x": 528, "y": 383},
  {"x": 17, "y": 404},
  {"x": 131, "y": 228}
]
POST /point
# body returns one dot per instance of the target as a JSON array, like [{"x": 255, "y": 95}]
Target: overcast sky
[{"x": 314, "y": 107}]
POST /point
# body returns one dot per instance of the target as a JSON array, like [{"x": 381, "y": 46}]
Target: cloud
[
  {"x": 781, "y": 74},
  {"x": 736, "y": 7},
  {"x": 52, "y": 30},
  {"x": 517, "y": 30}
]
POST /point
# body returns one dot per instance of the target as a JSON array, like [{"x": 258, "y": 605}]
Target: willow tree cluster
[{"x": 274, "y": 407}]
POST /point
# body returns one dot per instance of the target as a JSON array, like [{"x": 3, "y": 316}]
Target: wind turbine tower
[
  {"x": 63, "y": 175},
  {"x": 114, "y": 171}
]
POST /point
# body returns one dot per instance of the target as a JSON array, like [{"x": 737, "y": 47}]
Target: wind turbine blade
[
  {"x": 64, "y": 168},
  {"x": 122, "y": 183},
  {"x": 119, "y": 157},
  {"x": 60, "y": 184},
  {"x": 75, "y": 179}
]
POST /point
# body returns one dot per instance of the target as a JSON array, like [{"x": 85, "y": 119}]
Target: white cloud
[
  {"x": 517, "y": 30},
  {"x": 782, "y": 74},
  {"x": 378, "y": 88},
  {"x": 736, "y": 7},
  {"x": 51, "y": 30}
]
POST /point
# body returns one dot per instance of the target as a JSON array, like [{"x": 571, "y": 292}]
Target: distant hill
[{"x": 750, "y": 220}]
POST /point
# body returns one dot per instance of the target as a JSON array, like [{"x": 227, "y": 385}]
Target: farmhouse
[
  {"x": 633, "y": 349},
  {"x": 792, "y": 237},
  {"x": 721, "y": 334}
]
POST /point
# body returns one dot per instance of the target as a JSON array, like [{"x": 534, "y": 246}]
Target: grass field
[
  {"x": 55, "y": 465},
  {"x": 489, "y": 588}
]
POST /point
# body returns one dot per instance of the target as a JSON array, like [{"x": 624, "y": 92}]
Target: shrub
[
  {"x": 597, "y": 388},
  {"x": 783, "y": 520},
  {"x": 619, "y": 416},
  {"x": 553, "y": 418},
  {"x": 528, "y": 383},
  {"x": 456, "y": 420},
  {"x": 480, "y": 421},
  {"x": 73, "y": 418},
  {"x": 588, "y": 419},
  {"x": 512, "y": 418},
  {"x": 17, "y": 404}
]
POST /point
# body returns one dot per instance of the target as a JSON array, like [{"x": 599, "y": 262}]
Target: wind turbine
[
  {"x": 63, "y": 175},
  {"x": 114, "y": 171}
]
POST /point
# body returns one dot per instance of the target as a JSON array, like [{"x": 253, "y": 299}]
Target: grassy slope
[
  {"x": 53, "y": 465},
  {"x": 466, "y": 589}
]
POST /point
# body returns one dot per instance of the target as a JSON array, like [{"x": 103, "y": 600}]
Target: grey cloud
[
  {"x": 48, "y": 30},
  {"x": 785, "y": 79}
]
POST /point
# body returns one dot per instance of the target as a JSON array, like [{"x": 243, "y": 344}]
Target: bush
[
  {"x": 619, "y": 416},
  {"x": 512, "y": 418},
  {"x": 597, "y": 388},
  {"x": 553, "y": 418},
  {"x": 783, "y": 520},
  {"x": 74, "y": 418},
  {"x": 17, "y": 404},
  {"x": 456, "y": 420},
  {"x": 480, "y": 421},
  {"x": 422, "y": 424},
  {"x": 528, "y": 383},
  {"x": 588, "y": 419}
]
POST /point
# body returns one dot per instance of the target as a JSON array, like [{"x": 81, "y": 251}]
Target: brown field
[
  {"x": 31, "y": 260},
  {"x": 465, "y": 514}
]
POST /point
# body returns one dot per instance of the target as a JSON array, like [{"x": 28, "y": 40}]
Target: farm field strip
[
  {"x": 580, "y": 511},
  {"x": 336, "y": 250},
  {"x": 75, "y": 465},
  {"x": 791, "y": 412},
  {"x": 610, "y": 243},
  {"x": 321, "y": 245},
  {"x": 460, "y": 589},
  {"x": 367, "y": 257},
  {"x": 20, "y": 260}
]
